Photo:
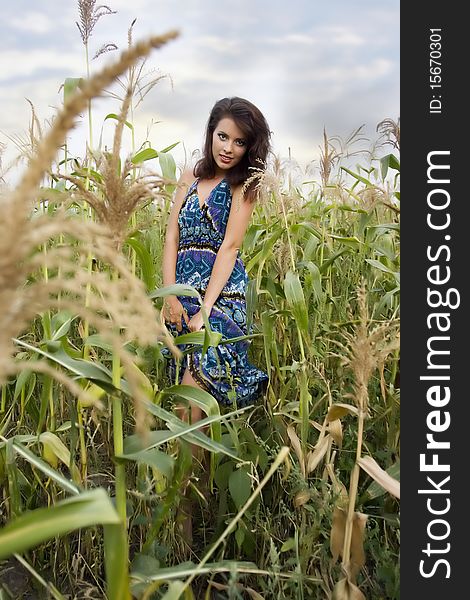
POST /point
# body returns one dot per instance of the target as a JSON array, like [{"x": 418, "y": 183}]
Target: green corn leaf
[
  {"x": 143, "y": 155},
  {"x": 378, "y": 265},
  {"x": 387, "y": 162},
  {"x": 116, "y": 561},
  {"x": 116, "y": 118},
  {"x": 56, "y": 445},
  {"x": 88, "y": 174},
  {"x": 186, "y": 569},
  {"x": 211, "y": 338},
  {"x": 42, "y": 524},
  {"x": 203, "y": 400},
  {"x": 61, "y": 324},
  {"x": 92, "y": 371},
  {"x": 251, "y": 303},
  {"x": 175, "y": 589},
  {"x": 352, "y": 209},
  {"x": 152, "y": 457},
  {"x": 195, "y": 337},
  {"x": 194, "y": 437},
  {"x": 351, "y": 241},
  {"x": 316, "y": 279},
  {"x": 266, "y": 250},
  {"x": 296, "y": 300},
  {"x": 387, "y": 300},
  {"x": 23, "y": 378},
  {"x": 267, "y": 323},
  {"x": 167, "y": 165},
  {"x": 70, "y": 86},
  {"x": 304, "y": 226},
  {"x": 358, "y": 177},
  {"x": 97, "y": 341},
  {"x": 136, "y": 443},
  {"x": 253, "y": 261},
  {"x": 385, "y": 227},
  {"x": 145, "y": 261},
  {"x": 170, "y": 147},
  {"x": 239, "y": 484},
  {"x": 329, "y": 261},
  {"x": 39, "y": 463},
  {"x": 177, "y": 289}
]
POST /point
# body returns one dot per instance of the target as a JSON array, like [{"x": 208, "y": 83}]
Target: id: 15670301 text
[{"x": 435, "y": 70}]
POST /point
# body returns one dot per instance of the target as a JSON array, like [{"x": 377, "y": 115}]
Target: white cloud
[
  {"x": 345, "y": 74},
  {"x": 20, "y": 63},
  {"x": 343, "y": 36},
  {"x": 32, "y": 22},
  {"x": 305, "y": 64},
  {"x": 324, "y": 37}
]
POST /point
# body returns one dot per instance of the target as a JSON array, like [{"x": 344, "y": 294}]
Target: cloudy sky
[{"x": 306, "y": 64}]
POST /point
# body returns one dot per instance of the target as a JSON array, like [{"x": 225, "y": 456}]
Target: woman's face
[{"x": 228, "y": 145}]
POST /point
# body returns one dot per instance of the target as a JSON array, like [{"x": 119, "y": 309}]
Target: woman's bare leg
[
  {"x": 196, "y": 413},
  {"x": 197, "y": 452}
]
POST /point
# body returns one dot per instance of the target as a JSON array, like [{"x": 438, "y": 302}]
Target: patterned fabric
[{"x": 224, "y": 371}]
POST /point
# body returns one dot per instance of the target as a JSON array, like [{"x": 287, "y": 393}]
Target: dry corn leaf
[
  {"x": 345, "y": 590},
  {"x": 335, "y": 429},
  {"x": 338, "y": 528},
  {"x": 294, "y": 438},
  {"x": 317, "y": 426},
  {"x": 337, "y": 533},
  {"x": 339, "y": 488},
  {"x": 218, "y": 586},
  {"x": 339, "y": 409},
  {"x": 301, "y": 498},
  {"x": 358, "y": 557},
  {"x": 287, "y": 468},
  {"x": 379, "y": 475},
  {"x": 254, "y": 594},
  {"x": 314, "y": 457}
]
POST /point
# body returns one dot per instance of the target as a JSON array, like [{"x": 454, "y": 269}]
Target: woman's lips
[{"x": 225, "y": 159}]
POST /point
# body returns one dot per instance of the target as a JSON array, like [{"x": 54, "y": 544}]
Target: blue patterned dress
[{"x": 224, "y": 371}]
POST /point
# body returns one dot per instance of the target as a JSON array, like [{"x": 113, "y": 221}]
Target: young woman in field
[{"x": 206, "y": 227}]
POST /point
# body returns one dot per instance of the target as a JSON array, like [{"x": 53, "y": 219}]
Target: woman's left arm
[{"x": 239, "y": 218}]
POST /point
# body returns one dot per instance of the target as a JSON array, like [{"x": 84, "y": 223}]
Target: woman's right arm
[{"x": 172, "y": 308}]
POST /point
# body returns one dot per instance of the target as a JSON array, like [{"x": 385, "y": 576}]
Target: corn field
[{"x": 299, "y": 495}]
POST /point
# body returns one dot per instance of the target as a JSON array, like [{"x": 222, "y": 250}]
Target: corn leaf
[
  {"x": 145, "y": 261},
  {"x": 143, "y": 155},
  {"x": 296, "y": 300},
  {"x": 40, "y": 464},
  {"x": 384, "y": 479},
  {"x": 42, "y": 524}
]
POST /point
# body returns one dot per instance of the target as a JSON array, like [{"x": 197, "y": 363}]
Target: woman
[{"x": 206, "y": 227}]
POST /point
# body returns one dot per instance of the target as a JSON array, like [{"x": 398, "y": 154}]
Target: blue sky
[{"x": 306, "y": 64}]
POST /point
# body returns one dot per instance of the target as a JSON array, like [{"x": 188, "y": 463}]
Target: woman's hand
[
  {"x": 173, "y": 312},
  {"x": 196, "y": 323}
]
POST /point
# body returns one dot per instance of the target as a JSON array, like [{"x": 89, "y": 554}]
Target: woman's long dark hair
[{"x": 257, "y": 134}]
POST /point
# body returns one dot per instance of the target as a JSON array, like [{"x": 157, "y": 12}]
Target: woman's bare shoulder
[
  {"x": 185, "y": 181},
  {"x": 187, "y": 176},
  {"x": 239, "y": 193}
]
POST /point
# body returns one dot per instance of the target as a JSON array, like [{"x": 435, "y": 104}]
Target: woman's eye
[
  {"x": 241, "y": 142},
  {"x": 222, "y": 136}
]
